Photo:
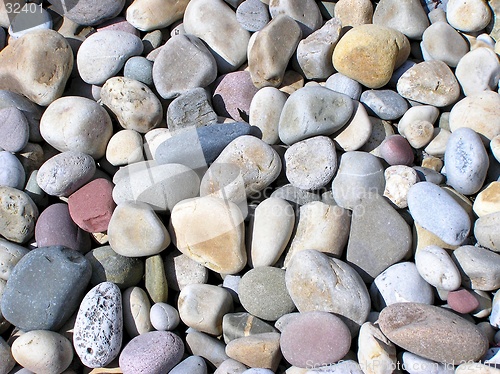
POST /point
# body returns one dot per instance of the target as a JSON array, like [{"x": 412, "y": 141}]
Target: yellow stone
[{"x": 488, "y": 200}]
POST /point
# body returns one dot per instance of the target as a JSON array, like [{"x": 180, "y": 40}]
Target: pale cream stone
[
  {"x": 376, "y": 353},
  {"x": 488, "y": 200},
  {"x": 124, "y": 147},
  {"x": 136, "y": 307},
  {"x": 357, "y": 131},
  {"x": 147, "y": 15}
]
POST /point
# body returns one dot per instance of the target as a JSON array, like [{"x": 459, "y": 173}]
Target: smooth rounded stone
[
  {"x": 202, "y": 307},
  {"x": 311, "y": 163},
  {"x": 462, "y": 301},
  {"x": 469, "y": 15},
  {"x": 133, "y": 103},
  {"x": 136, "y": 308},
  {"x": 306, "y": 13},
  {"x": 466, "y": 161},
  {"x": 238, "y": 325},
  {"x": 118, "y": 23},
  {"x": 147, "y": 15},
  {"x": 70, "y": 274},
  {"x": 7, "y": 362},
  {"x": 216, "y": 24},
  {"x": 320, "y": 226},
  {"x": 407, "y": 17},
  {"x": 153, "y": 352},
  {"x": 380, "y": 47},
  {"x": 312, "y": 111},
  {"x": 10, "y": 254},
  {"x": 313, "y": 279},
  {"x": 103, "y": 54},
  {"x": 206, "y": 346},
  {"x": 442, "y": 42},
  {"x": 183, "y": 63},
  {"x": 14, "y": 129},
  {"x": 479, "y": 267},
  {"x": 359, "y": 174},
  {"x": 92, "y": 205},
  {"x": 264, "y": 112},
  {"x": 375, "y": 350},
  {"x": 192, "y": 365},
  {"x": 136, "y": 231},
  {"x": 252, "y": 15},
  {"x": 476, "y": 368},
  {"x": 478, "y": 70},
  {"x": 42, "y": 351},
  {"x": 437, "y": 268},
  {"x": 12, "y": 172},
  {"x": 480, "y": 112},
  {"x": 18, "y": 215},
  {"x": 124, "y": 147},
  {"x": 37, "y": 66},
  {"x": 354, "y": 12},
  {"x": 435, "y": 210},
  {"x": 340, "y": 83},
  {"x": 181, "y": 270},
  {"x": 415, "y": 364},
  {"x": 385, "y": 104},
  {"x": 418, "y": 133},
  {"x": 89, "y": 12},
  {"x": 257, "y": 351},
  {"x": 486, "y": 233},
  {"x": 190, "y": 108},
  {"x": 432, "y": 332},
  {"x": 140, "y": 69},
  {"x": 55, "y": 227},
  {"x": 77, "y": 124},
  {"x": 429, "y": 82},
  {"x": 357, "y": 131},
  {"x": 398, "y": 181},
  {"x": 31, "y": 111},
  {"x": 416, "y": 113},
  {"x": 164, "y": 317},
  {"x": 230, "y": 366},
  {"x": 488, "y": 200},
  {"x": 396, "y": 150},
  {"x": 324, "y": 339},
  {"x": 98, "y": 330},
  {"x": 155, "y": 280},
  {"x": 109, "y": 266},
  {"x": 65, "y": 173},
  {"x": 437, "y": 145}
]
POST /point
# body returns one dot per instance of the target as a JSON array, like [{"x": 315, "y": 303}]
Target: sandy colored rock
[
  {"x": 147, "y": 15},
  {"x": 468, "y": 15},
  {"x": 257, "y": 351},
  {"x": 305, "y": 12},
  {"x": 354, "y": 12},
  {"x": 488, "y": 200}
]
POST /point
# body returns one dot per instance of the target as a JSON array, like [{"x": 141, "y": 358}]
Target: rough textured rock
[{"x": 18, "y": 215}]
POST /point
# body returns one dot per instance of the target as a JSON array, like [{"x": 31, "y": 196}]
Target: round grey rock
[
  {"x": 140, "y": 69},
  {"x": 192, "y": 365},
  {"x": 88, "y": 12},
  {"x": 252, "y": 15},
  {"x": 338, "y": 82},
  {"x": 385, "y": 104},
  {"x": 12, "y": 172},
  {"x": 164, "y": 317},
  {"x": 14, "y": 129}
]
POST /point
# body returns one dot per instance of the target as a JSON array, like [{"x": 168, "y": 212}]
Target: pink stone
[
  {"x": 120, "y": 24},
  {"x": 396, "y": 150},
  {"x": 462, "y": 301}
]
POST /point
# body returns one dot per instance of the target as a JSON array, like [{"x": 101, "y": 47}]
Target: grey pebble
[
  {"x": 385, "y": 104},
  {"x": 140, "y": 69},
  {"x": 12, "y": 173},
  {"x": 164, "y": 317},
  {"x": 14, "y": 129},
  {"x": 338, "y": 82},
  {"x": 252, "y": 15}
]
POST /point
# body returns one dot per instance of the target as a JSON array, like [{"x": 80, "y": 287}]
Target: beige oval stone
[
  {"x": 468, "y": 15},
  {"x": 488, "y": 200},
  {"x": 427, "y": 113},
  {"x": 265, "y": 111},
  {"x": 419, "y": 133},
  {"x": 124, "y": 147},
  {"x": 147, "y": 15},
  {"x": 136, "y": 307},
  {"x": 18, "y": 215},
  {"x": 257, "y": 351}
]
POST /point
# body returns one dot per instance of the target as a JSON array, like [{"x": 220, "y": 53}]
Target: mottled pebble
[
  {"x": 18, "y": 215},
  {"x": 10, "y": 254},
  {"x": 252, "y": 15},
  {"x": 398, "y": 181}
]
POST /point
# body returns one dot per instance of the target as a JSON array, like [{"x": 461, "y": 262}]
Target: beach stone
[
  {"x": 98, "y": 331},
  {"x": 202, "y": 307},
  {"x": 486, "y": 233},
  {"x": 232, "y": 95},
  {"x": 385, "y": 104},
  {"x": 488, "y": 200},
  {"x": 432, "y": 332},
  {"x": 387, "y": 49},
  {"x": 462, "y": 301},
  {"x": 31, "y": 111},
  {"x": 427, "y": 113},
  {"x": 37, "y": 66},
  {"x": 34, "y": 191},
  {"x": 181, "y": 270},
  {"x": 190, "y": 108},
  {"x": 478, "y": 70},
  {"x": 480, "y": 112},
  {"x": 419, "y": 365},
  {"x": 14, "y": 129},
  {"x": 125, "y": 147},
  {"x": 42, "y": 351},
  {"x": 155, "y": 280},
  {"x": 295, "y": 196},
  {"x": 65, "y": 173},
  {"x": 238, "y": 325},
  {"x": 264, "y": 112},
  {"x": 437, "y": 268},
  {"x": 380, "y": 130},
  {"x": 375, "y": 350},
  {"x": 306, "y": 13},
  {"x": 135, "y": 230},
  {"x": 396, "y": 150},
  {"x": 140, "y": 69},
  {"x": 65, "y": 288},
  {"x": 18, "y": 215},
  {"x": 183, "y": 63},
  {"x": 478, "y": 266},
  {"x": 442, "y": 42},
  {"x": 136, "y": 307},
  {"x": 478, "y": 15},
  {"x": 437, "y": 146},
  {"x": 231, "y": 366},
  {"x": 148, "y": 15},
  {"x": 12, "y": 172},
  {"x": 152, "y": 139},
  {"x": 153, "y": 352},
  {"x": 266, "y": 64},
  {"x": 320, "y": 226},
  {"x": 340, "y": 83},
  {"x": 77, "y": 124},
  {"x": 312, "y": 280},
  {"x": 210, "y": 348},
  {"x": 429, "y": 82},
  {"x": 311, "y": 163},
  {"x": 109, "y": 266},
  {"x": 10, "y": 254},
  {"x": 357, "y": 131},
  {"x": 89, "y": 12},
  {"x": 164, "y": 317},
  {"x": 118, "y": 23},
  {"x": 494, "y": 317},
  {"x": 325, "y": 339},
  {"x": 7, "y": 362},
  {"x": 103, "y": 54},
  {"x": 398, "y": 181},
  {"x": 466, "y": 161},
  {"x": 359, "y": 174},
  {"x": 92, "y": 205},
  {"x": 354, "y": 12},
  {"x": 257, "y": 351},
  {"x": 191, "y": 214},
  {"x": 27, "y": 19},
  {"x": 407, "y": 17},
  {"x": 55, "y": 227},
  {"x": 312, "y": 111},
  {"x": 252, "y": 15},
  {"x": 133, "y": 103},
  {"x": 429, "y": 204},
  {"x": 216, "y": 24},
  {"x": 418, "y": 133},
  {"x": 192, "y": 364}
]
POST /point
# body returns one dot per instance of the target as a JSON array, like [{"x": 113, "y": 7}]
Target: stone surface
[
  {"x": 7, "y": 361},
  {"x": 462, "y": 301},
  {"x": 437, "y": 268},
  {"x": 192, "y": 364},
  {"x": 406, "y": 16},
  {"x": 375, "y": 350},
  {"x": 210, "y": 348},
  {"x": 14, "y": 129},
  {"x": 164, "y": 317},
  {"x": 31, "y": 111},
  {"x": 306, "y": 13},
  {"x": 469, "y": 15},
  {"x": 12, "y": 173},
  {"x": 155, "y": 280},
  {"x": 147, "y": 15},
  {"x": 240, "y": 324},
  {"x": 478, "y": 70},
  {"x": 232, "y": 94},
  {"x": 18, "y": 215},
  {"x": 478, "y": 266},
  {"x": 385, "y": 104},
  {"x": 136, "y": 307},
  {"x": 340, "y": 83},
  {"x": 265, "y": 110},
  {"x": 252, "y": 15},
  {"x": 181, "y": 270},
  {"x": 486, "y": 233},
  {"x": 488, "y": 200},
  {"x": 442, "y": 42},
  {"x": 357, "y": 131},
  {"x": 10, "y": 254},
  {"x": 354, "y": 12},
  {"x": 140, "y": 69},
  {"x": 89, "y": 12},
  {"x": 257, "y": 351},
  {"x": 396, "y": 150},
  {"x": 124, "y": 147}
]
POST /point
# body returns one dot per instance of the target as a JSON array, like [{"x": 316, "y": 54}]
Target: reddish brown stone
[
  {"x": 396, "y": 150},
  {"x": 462, "y": 301}
]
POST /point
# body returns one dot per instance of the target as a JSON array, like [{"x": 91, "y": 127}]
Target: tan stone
[
  {"x": 433, "y": 163},
  {"x": 257, "y": 351},
  {"x": 488, "y": 200},
  {"x": 147, "y": 15},
  {"x": 356, "y": 133},
  {"x": 155, "y": 280},
  {"x": 354, "y": 12},
  {"x": 376, "y": 353}
]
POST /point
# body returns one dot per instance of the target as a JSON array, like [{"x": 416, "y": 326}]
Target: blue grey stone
[
  {"x": 11, "y": 172},
  {"x": 429, "y": 175},
  {"x": 252, "y": 15},
  {"x": 140, "y": 69},
  {"x": 45, "y": 288},
  {"x": 338, "y": 82},
  {"x": 385, "y": 104}
]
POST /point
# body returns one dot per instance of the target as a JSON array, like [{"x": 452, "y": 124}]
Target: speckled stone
[
  {"x": 18, "y": 215},
  {"x": 181, "y": 270},
  {"x": 480, "y": 268},
  {"x": 252, "y": 15}
]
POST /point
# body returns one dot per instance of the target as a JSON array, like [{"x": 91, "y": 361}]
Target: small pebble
[
  {"x": 155, "y": 280},
  {"x": 252, "y": 15},
  {"x": 342, "y": 84},
  {"x": 462, "y": 301},
  {"x": 136, "y": 308},
  {"x": 385, "y": 104},
  {"x": 181, "y": 271},
  {"x": 485, "y": 231},
  {"x": 265, "y": 110},
  {"x": 164, "y": 317},
  {"x": 124, "y": 147},
  {"x": 18, "y": 215},
  {"x": 398, "y": 181},
  {"x": 396, "y": 150},
  {"x": 14, "y": 129},
  {"x": 12, "y": 172},
  {"x": 437, "y": 268},
  {"x": 140, "y": 69}
]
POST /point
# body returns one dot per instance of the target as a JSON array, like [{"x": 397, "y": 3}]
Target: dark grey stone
[{"x": 385, "y": 104}]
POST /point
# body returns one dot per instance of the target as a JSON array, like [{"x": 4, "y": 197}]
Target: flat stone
[
  {"x": 155, "y": 280},
  {"x": 354, "y": 12},
  {"x": 181, "y": 270},
  {"x": 442, "y": 42},
  {"x": 486, "y": 233},
  {"x": 478, "y": 266},
  {"x": 437, "y": 268},
  {"x": 306, "y": 13},
  {"x": 136, "y": 307},
  {"x": 18, "y": 215},
  {"x": 164, "y": 317},
  {"x": 252, "y": 15},
  {"x": 10, "y": 254},
  {"x": 12, "y": 173},
  {"x": 147, "y": 15},
  {"x": 462, "y": 301},
  {"x": 238, "y": 325},
  {"x": 265, "y": 110},
  {"x": 468, "y": 16},
  {"x": 478, "y": 71},
  {"x": 406, "y": 16},
  {"x": 14, "y": 129}
]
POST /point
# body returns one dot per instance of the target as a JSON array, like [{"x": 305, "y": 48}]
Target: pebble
[
  {"x": 477, "y": 71},
  {"x": 436, "y": 211},
  {"x": 264, "y": 112},
  {"x": 136, "y": 307},
  {"x": 407, "y": 17},
  {"x": 252, "y": 15},
  {"x": 479, "y": 267},
  {"x": 31, "y": 111},
  {"x": 306, "y": 13},
  {"x": 396, "y": 150},
  {"x": 233, "y": 94},
  {"x": 230, "y": 366},
  {"x": 240, "y": 324},
  {"x": 181, "y": 270},
  {"x": 10, "y": 254},
  {"x": 98, "y": 330},
  {"x": 65, "y": 289},
  {"x": 14, "y": 129},
  {"x": 398, "y": 181},
  {"x": 357, "y": 131},
  {"x": 437, "y": 146},
  {"x": 485, "y": 231},
  {"x": 437, "y": 268},
  {"x": 416, "y": 113},
  {"x": 155, "y": 280},
  {"x": 140, "y": 69},
  {"x": 375, "y": 350},
  {"x": 12, "y": 172},
  {"x": 109, "y": 266},
  {"x": 342, "y": 84},
  {"x": 415, "y": 365},
  {"x": 148, "y": 15},
  {"x": 325, "y": 339},
  {"x": 192, "y": 364},
  {"x": 135, "y": 230},
  {"x": 37, "y": 66},
  {"x": 103, "y": 54},
  {"x": 312, "y": 111},
  {"x": 487, "y": 201},
  {"x": 7, "y": 362},
  {"x": 125, "y": 147},
  {"x": 442, "y": 42},
  {"x": 462, "y": 301},
  {"x": 469, "y": 15},
  {"x": 432, "y": 332},
  {"x": 211, "y": 349},
  {"x": 354, "y": 12},
  {"x": 77, "y": 124},
  {"x": 164, "y": 317},
  {"x": 385, "y": 104},
  {"x": 257, "y": 351},
  {"x": 153, "y": 352},
  {"x": 118, "y": 23},
  {"x": 43, "y": 352},
  {"x": 183, "y": 63},
  {"x": 18, "y": 215}
]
